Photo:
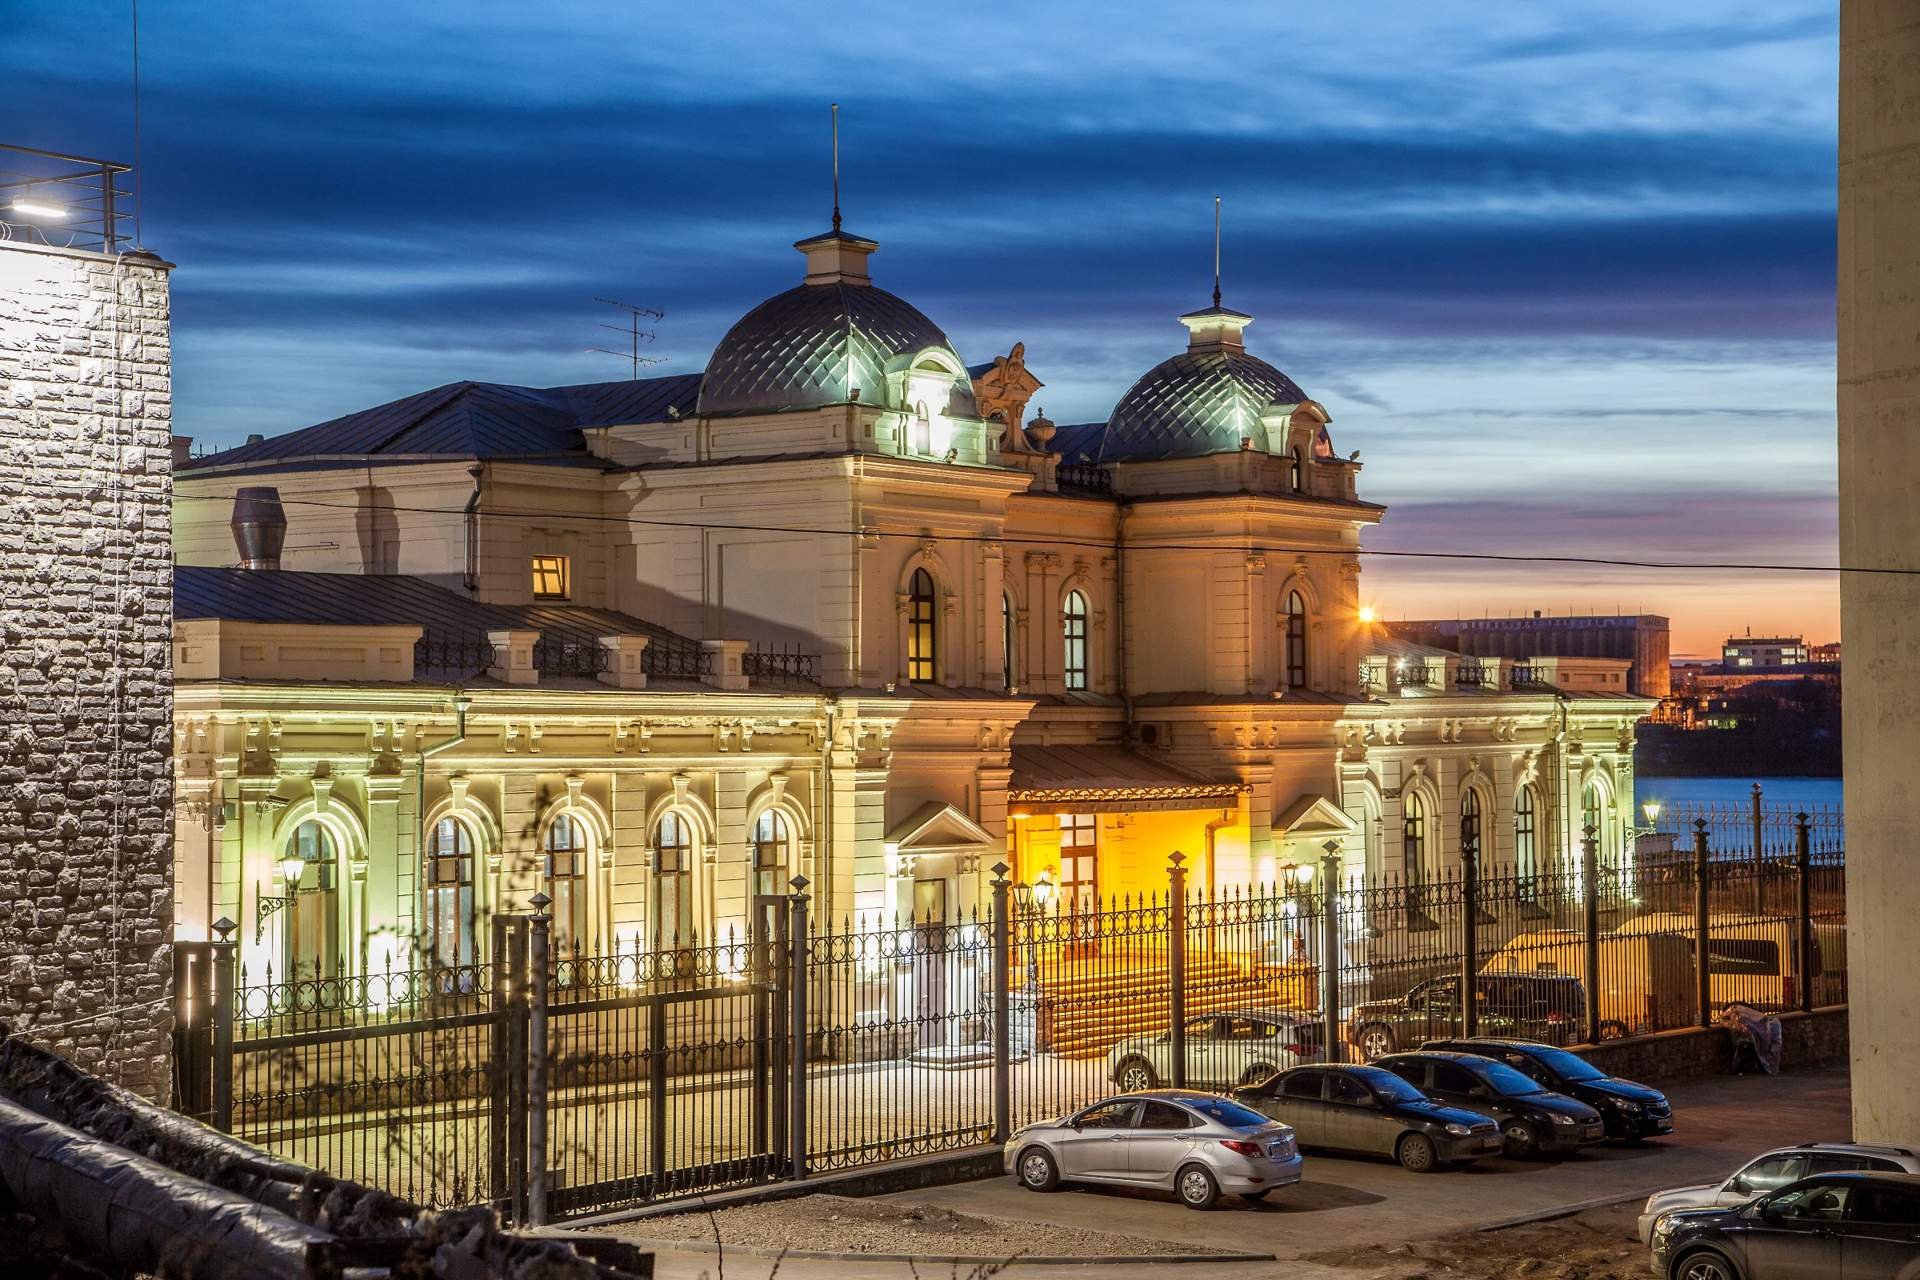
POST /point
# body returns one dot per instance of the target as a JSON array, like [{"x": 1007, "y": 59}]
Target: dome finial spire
[
  {"x": 1216, "y": 249},
  {"x": 836, "y": 171}
]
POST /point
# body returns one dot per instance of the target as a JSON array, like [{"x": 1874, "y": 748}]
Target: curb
[
  {"x": 1564, "y": 1211},
  {"x": 1023, "y": 1260}
]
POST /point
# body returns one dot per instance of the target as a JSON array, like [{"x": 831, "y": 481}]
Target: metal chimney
[{"x": 259, "y": 527}]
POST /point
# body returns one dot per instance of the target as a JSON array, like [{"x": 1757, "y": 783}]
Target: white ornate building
[{"x": 1077, "y": 648}]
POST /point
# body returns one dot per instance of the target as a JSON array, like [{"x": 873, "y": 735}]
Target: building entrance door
[
  {"x": 1079, "y": 877},
  {"x": 930, "y": 961}
]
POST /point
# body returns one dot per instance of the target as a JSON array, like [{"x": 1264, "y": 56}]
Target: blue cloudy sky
[{"x": 1562, "y": 272}]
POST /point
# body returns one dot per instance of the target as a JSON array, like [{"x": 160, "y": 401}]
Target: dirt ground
[
  {"x": 1596, "y": 1245},
  {"x": 844, "y": 1225}
]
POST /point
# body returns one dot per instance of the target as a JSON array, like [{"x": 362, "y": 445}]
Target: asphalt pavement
[{"x": 1352, "y": 1203}]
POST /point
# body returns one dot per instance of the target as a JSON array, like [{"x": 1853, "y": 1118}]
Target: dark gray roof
[
  {"x": 815, "y": 343},
  {"x": 1202, "y": 401},
  {"x": 351, "y": 599},
  {"x": 478, "y": 420},
  {"x": 1077, "y": 443}
]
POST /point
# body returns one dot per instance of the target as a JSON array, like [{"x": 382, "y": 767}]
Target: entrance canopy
[{"x": 1091, "y": 779}]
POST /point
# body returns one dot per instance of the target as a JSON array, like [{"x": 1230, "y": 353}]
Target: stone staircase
[{"x": 1083, "y": 1008}]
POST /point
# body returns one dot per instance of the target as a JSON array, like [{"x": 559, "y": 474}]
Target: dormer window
[
  {"x": 920, "y": 430},
  {"x": 551, "y": 578}
]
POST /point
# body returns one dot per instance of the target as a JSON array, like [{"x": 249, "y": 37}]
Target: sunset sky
[{"x": 1563, "y": 274}]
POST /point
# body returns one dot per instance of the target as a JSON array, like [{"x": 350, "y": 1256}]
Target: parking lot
[{"x": 1352, "y": 1205}]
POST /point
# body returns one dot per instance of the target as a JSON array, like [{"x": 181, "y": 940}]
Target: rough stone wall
[{"x": 86, "y": 820}]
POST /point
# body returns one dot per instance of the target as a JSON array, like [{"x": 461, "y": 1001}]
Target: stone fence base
[{"x": 1808, "y": 1041}]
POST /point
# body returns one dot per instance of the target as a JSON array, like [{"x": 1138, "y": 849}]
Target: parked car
[
  {"x": 1852, "y": 1224},
  {"x": 1776, "y": 1169},
  {"x": 1196, "y": 1145},
  {"x": 1223, "y": 1049},
  {"x": 1536, "y": 1006},
  {"x": 1631, "y": 1111},
  {"x": 1532, "y": 1118},
  {"x": 1646, "y": 980},
  {"x": 1372, "y": 1111}
]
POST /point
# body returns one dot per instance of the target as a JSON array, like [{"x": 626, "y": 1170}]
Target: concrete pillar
[{"x": 1879, "y": 415}]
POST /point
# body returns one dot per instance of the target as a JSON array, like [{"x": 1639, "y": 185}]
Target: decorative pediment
[
  {"x": 1314, "y": 816},
  {"x": 936, "y": 827}
]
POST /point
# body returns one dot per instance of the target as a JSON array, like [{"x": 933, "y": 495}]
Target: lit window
[
  {"x": 1079, "y": 850},
  {"x": 921, "y": 632},
  {"x": 673, "y": 882},
  {"x": 1413, "y": 838},
  {"x": 1296, "y": 641},
  {"x": 1526, "y": 853},
  {"x": 770, "y": 853},
  {"x": 920, "y": 439},
  {"x": 550, "y": 578},
  {"x": 1297, "y": 470},
  {"x": 1075, "y": 622},
  {"x": 566, "y": 868},
  {"x": 312, "y": 933},
  {"x": 450, "y": 894}
]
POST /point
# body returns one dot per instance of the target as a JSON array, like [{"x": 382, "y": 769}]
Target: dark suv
[
  {"x": 1869, "y": 1220},
  {"x": 1534, "y": 1006},
  {"x": 1632, "y": 1111}
]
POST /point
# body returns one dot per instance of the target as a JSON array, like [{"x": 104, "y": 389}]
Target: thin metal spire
[
  {"x": 1216, "y": 251},
  {"x": 836, "y": 166}
]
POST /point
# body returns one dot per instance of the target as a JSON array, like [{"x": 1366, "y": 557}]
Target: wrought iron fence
[
  {"x": 1473, "y": 674},
  {"x": 557, "y": 656},
  {"x": 452, "y": 660},
  {"x": 778, "y": 663},
  {"x": 666, "y": 660},
  {"x": 562, "y": 1084},
  {"x": 1084, "y": 477}
]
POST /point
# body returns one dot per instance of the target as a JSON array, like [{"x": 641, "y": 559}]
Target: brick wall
[{"x": 86, "y": 879}]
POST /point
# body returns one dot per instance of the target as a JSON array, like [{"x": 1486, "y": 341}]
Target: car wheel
[
  {"x": 1256, "y": 1073},
  {"x": 1197, "y": 1188},
  {"x": 1416, "y": 1154},
  {"x": 1519, "y": 1138},
  {"x": 1036, "y": 1170},
  {"x": 1375, "y": 1041},
  {"x": 1703, "y": 1265},
  {"x": 1134, "y": 1075},
  {"x": 1613, "y": 1030}
]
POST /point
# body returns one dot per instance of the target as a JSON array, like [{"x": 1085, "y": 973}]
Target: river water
[{"x": 1736, "y": 791}]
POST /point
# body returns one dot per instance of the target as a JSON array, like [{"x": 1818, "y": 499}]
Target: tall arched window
[
  {"x": 1413, "y": 838},
  {"x": 922, "y": 634},
  {"x": 1074, "y": 664},
  {"x": 1593, "y": 814},
  {"x": 311, "y": 939},
  {"x": 1296, "y": 641},
  {"x": 920, "y": 438},
  {"x": 673, "y": 924},
  {"x": 1297, "y": 470},
  {"x": 770, "y": 853},
  {"x": 1469, "y": 824},
  {"x": 566, "y": 876},
  {"x": 1008, "y": 642},
  {"x": 450, "y": 894},
  {"x": 1526, "y": 849}
]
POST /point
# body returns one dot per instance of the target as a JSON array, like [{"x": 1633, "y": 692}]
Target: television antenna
[{"x": 635, "y": 334}]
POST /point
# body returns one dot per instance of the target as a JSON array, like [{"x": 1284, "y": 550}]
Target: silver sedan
[{"x": 1196, "y": 1145}]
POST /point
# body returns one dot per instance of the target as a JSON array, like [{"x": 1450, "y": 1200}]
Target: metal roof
[
  {"x": 480, "y": 420},
  {"x": 815, "y": 344},
  {"x": 1204, "y": 400},
  {"x": 351, "y": 599},
  {"x": 1077, "y": 443}
]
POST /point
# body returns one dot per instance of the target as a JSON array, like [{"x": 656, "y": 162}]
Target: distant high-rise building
[
  {"x": 1762, "y": 652},
  {"x": 1641, "y": 638}
]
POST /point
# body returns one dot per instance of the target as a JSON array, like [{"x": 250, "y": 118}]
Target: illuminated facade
[{"x": 1077, "y": 648}]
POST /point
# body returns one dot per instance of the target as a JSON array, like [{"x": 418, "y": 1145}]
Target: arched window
[
  {"x": 1413, "y": 838},
  {"x": 920, "y": 437},
  {"x": 1296, "y": 641},
  {"x": 770, "y": 853},
  {"x": 450, "y": 894},
  {"x": 566, "y": 877},
  {"x": 673, "y": 924},
  {"x": 1593, "y": 814},
  {"x": 1297, "y": 470},
  {"x": 1526, "y": 849},
  {"x": 1074, "y": 666},
  {"x": 1008, "y": 643},
  {"x": 311, "y": 939},
  {"x": 922, "y": 634},
  {"x": 1469, "y": 824}
]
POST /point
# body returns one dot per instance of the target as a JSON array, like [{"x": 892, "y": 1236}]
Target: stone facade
[{"x": 86, "y": 816}]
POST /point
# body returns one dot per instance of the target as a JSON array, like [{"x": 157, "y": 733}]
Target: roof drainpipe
[
  {"x": 471, "y": 578},
  {"x": 461, "y": 704},
  {"x": 1120, "y": 618}
]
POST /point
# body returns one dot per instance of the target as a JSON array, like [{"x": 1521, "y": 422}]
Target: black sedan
[
  {"x": 1365, "y": 1109},
  {"x": 1532, "y": 1118},
  {"x": 1855, "y": 1224},
  {"x": 1631, "y": 1111}
]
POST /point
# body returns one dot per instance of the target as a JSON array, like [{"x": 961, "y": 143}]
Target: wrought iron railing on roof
[
  {"x": 1084, "y": 477},
  {"x": 1473, "y": 674},
  {"x": 67, "y": 202},
  {"x": 558, "y": 656},
  {"x": 1528, "y": 676},
  {"x": 671, "y": 660},
  {"x": 1373, "y": 675},
  {"x": 437, "y": 658},
  {"x": 1413, "y": 673},
  {"x": 778, "y": 662}
]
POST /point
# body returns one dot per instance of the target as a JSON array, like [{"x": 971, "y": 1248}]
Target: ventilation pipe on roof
[
  {"x": 471, "y": 578},
  {"x": 259, "y": 527}
]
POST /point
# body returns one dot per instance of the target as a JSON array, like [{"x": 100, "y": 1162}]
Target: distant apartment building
[
  {"x": 1763, "y": 652},
  {"x": 1825, "y": 653},
  {"x": 1642, "y": 639}
]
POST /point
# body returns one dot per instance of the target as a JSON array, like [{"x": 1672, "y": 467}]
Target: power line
[{"x": 511, "y": 513}]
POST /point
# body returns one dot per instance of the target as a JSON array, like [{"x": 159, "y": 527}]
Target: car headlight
[
  {"x": 1663, "y": 1226},
  {"x": 1561, "y": 1117},
  {"x": 1458, "y": 1130},
  {"x": 1625, "y": 1107}
]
